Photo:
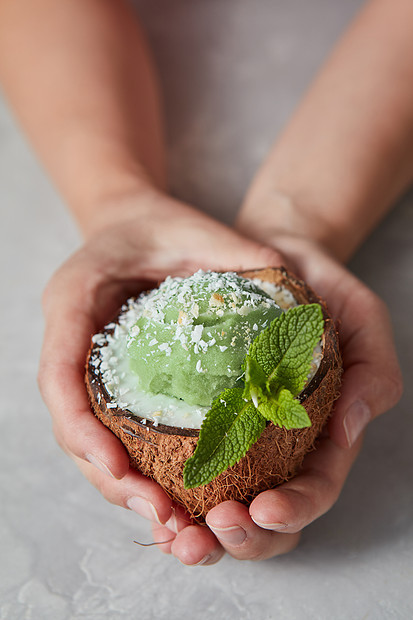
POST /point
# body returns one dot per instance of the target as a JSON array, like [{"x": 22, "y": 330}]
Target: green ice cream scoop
[{"x": 193, "y": 334}]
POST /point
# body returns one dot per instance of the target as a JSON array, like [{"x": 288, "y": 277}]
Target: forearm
[
  {"x": 347, "y": 153},
  {"x": 78, "y": 76}
]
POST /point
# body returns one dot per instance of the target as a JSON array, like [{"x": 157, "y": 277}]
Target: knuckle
[
  {"x": 98, "y": 482},
  {"x": 61, "y": 280},
  {"x": 50, "y": 290},
  {"x": 376, "y": 307},
  {"x": 369, "y": 300},
  {"x": 64, "y": 439},
  {"x": 61, "y": 440},
  {"x": 103, "y": 485},
  {"x": 386, "y": 387},
  {"x": 49, "y": 374}
]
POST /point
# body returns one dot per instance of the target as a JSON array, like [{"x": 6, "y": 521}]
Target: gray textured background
[{"x": 232, "y": 72}]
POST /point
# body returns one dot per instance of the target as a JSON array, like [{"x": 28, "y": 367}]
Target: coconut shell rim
[{"x": 306, "y": 294}]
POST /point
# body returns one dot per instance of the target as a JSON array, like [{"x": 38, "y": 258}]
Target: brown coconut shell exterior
[{"x": 160, "y": 452}]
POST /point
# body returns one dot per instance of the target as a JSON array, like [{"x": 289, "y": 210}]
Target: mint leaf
[
  {"x": 284, "y": 350},
  {"x": 285, "y": 410},
  {"x": 229, "y": 429},
  {"x": 276, "y": 369}
]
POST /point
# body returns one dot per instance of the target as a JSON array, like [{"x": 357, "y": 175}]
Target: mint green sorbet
[{"x": 194, "y": 333}]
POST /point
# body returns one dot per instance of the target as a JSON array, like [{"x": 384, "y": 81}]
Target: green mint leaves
[
  {"x": 278, "y": 363},
  {"x": 276, "y": 369},
  {"x": 230, "y": 427}
]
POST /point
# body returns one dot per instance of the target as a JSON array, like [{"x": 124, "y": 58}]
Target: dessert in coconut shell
[{"x": 160, "y": 450}]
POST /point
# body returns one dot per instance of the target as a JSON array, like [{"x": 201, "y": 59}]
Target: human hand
[
  {"x": 371, "y": 385},
  {"x": 132, "y": 244},
  {"x": 125, "y": 257}
]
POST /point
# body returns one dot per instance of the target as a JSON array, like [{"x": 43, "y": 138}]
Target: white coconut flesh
[{"x": 112, "y": 363}]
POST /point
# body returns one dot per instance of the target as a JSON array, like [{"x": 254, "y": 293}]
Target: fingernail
[
  {"x": 204, "y": 560},
  {"x": 234, "y": 535},
  {"x": 209, "y": 559},
  {"x": 172, "y": 523},
  {"x": 276, "y": 527},
  {"x": 93, "y": 460},
  {"x": 356, "y": 419},
  {"x": 144, "y": 508},
  {"x": 178, "y": 520}
]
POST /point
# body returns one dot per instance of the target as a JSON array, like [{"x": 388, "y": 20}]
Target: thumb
[{"x": 236, "y": 253}]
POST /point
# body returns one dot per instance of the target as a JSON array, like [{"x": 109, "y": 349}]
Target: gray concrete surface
[{"x": 233, "y": 72}]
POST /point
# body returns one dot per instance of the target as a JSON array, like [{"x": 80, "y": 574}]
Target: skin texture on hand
[
  {"x": 371, "y": 385},
  {"x": 109, "y": 143},
  {"x": 124, "y": 258},
  {"x": 121, "y": 258}
]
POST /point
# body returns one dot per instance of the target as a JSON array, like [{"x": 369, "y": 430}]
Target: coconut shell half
[{"x": 160, "y": 452}]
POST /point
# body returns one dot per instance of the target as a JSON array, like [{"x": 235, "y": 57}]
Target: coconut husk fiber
[{"x": 160, "y": 452}]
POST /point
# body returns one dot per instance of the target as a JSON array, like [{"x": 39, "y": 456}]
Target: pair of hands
[{"x": 133, "y": 245}]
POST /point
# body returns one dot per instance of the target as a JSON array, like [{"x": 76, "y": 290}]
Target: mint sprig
[
  {"x": 276, "y": 369},
  {"x": 284, "y": 410},
  {"x": 229, "y": 429}
]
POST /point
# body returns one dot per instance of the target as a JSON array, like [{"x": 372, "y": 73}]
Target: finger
[
  {"x": 196, "y": 545},
  {"x": 242, "y": 538},
  {"x": 140, "y": 494},
  {"x": 372, "y": 381},
  {"x": 77, "y": 430},
  {"x": 295, "y": 504},
  {"x": 135, "y": 492},
  {"x": 208, "y": 244},
  {"x": 69, "y": 327},
  {"x": 240, "y": 254},
  {"x": 163, "y": 537},
  {"x": 70, "y": 306},
  {"x": 230, "y": 252}
]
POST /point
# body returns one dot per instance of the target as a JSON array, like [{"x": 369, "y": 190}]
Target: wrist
[
  {"x": 131, "y": 197},
  {"x": 144, "y": 208},
  {"x": 274, "y": 214},
  {"x": 335, "y": 216}
]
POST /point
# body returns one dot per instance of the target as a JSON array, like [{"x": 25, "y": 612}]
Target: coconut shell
[{"x": 160, "y": 452}]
